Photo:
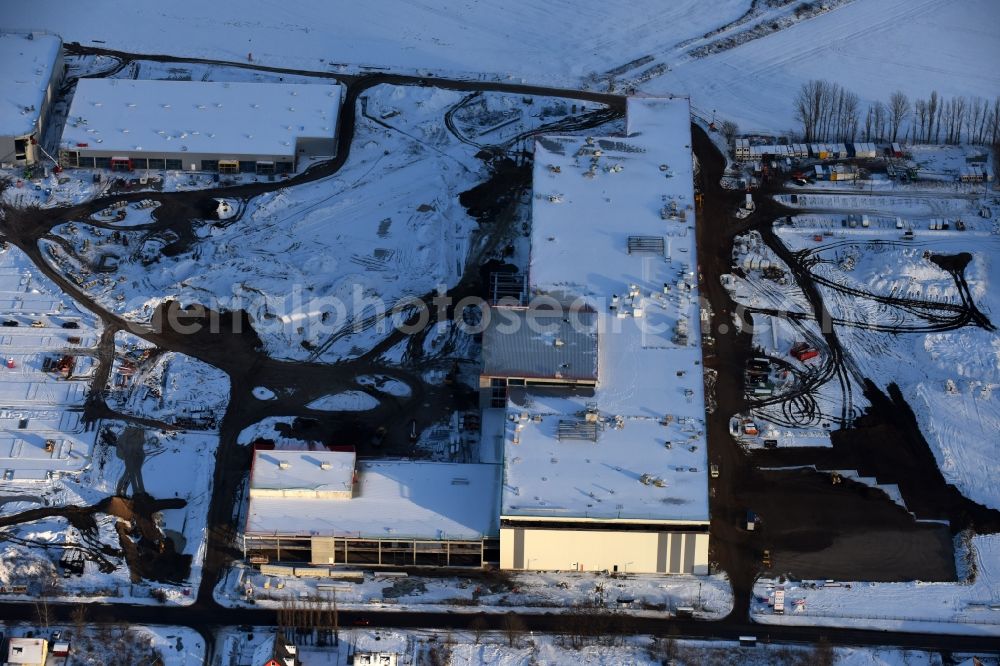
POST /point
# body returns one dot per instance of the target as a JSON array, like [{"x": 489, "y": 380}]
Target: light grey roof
[
  {"x": 25, "y": 69},
  {"x": 536, "y": 343}
]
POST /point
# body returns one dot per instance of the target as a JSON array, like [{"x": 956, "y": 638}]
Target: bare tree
[
  {"x": 809, "y": 107},
  {"x": 960, "y": 107},
  {"x": 919, "y": 116},
  {"x": 879, "y": 121},
  {"x": 933, "y": 107},
  {"x": 849, "y": 116},
  {"x": 478, "y": 626},
  {"x": 513, "y": 626},
  {"x": 899, "y": 108},
  {"x": 994, "y": 123},
  {"x": 823, "y": 654},
  {"x": 729, "y": 130}
]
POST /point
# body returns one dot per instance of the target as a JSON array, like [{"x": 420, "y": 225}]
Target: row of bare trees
[{"x": 828, "y": 112}]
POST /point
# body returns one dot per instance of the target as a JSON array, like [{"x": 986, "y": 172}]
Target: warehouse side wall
[{"x": 526, "y": 548}]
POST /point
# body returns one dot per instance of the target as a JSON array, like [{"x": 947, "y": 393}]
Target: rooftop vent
[
  {"x": 644, "y": 244},
  {"x": 581, "y": 430},
  {"x": 325, "y": 465},
  {"x": 459, "y": 481},
  {"x": 283, "y": 464}
]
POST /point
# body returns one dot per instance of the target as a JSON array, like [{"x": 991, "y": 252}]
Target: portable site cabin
[
  {"x": 742, "y": 149},
  {"x": 864, "y": 150},
  {"x": 820, "y": 172},
  {"x": 843, "y": 172},
  {"x": 972, "y": 174},
  {"x": 779, "y": 602},
  {"x": 818, "y": 150}
]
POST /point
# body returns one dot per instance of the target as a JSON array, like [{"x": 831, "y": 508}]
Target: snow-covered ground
[
  {"x": 31, "y": 551},
  {"x": 517, "y": 647},
  {"x": 319, "y": 267},
  {"x": 539, "y": 592},
  {"x": 966, "y": 607},
  {"x": 949, "y": 376},
  {"x": 928, "y": 45},
  {"x": 166, "y": 386},
  {"x": 92, "y": 645}
]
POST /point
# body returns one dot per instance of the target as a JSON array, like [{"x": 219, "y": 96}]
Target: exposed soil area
[
  {"x": 148, "y": 552},
  {"x": 812, "y": 527}
]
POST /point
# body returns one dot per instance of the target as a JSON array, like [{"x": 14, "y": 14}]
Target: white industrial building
[
  {"x": 27, "y": 651},
  {"x": 31, "y": 70},
  {"x": 613, "y": 476},
  {"x": 263, "y": 128},
  {"x": 326, "y": 508}
]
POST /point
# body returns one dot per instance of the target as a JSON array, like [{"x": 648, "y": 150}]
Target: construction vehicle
[{"x": 802, "y": 351}]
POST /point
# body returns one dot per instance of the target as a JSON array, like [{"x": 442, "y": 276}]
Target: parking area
[{"x": 46, "y": 363}]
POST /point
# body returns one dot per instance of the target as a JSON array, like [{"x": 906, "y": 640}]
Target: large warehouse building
[
  {"x": 263, "y": 128},
  {"x": 615, "y": 476},
  {"x": 324, "y": 508},
  {"x": 31, "y": 69}
]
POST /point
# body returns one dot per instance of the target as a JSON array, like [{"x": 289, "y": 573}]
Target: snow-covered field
[
  {"x": 966, "y": 607},
  {"x": 166, "y": 386},
  {"x": 928, "y": 45},
  {"x": 98, "y": 645},
  {"x": 539, "y": 592},
  {"x": 949, "y": 376}
]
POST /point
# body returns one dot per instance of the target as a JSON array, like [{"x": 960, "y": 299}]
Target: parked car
[
  {"x": 10, "y": 323},
  {"x": 70, "y": 324},
  {"x": 714, "y": 470}
]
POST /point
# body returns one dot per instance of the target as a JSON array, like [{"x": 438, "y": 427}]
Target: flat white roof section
[
  {"x": 613, "y": 226},
  {"x": 306, "y": 474},
  {"x": 627, "y": 474},
  {"x": 25, "y": 71},
  {"x": 402, "y": 499},
  {"x": 224, "y": 119}
]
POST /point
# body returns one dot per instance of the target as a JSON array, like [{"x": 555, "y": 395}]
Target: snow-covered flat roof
[
  {"x": 26, "y": 651},
  {"x": 199, "y": 117},
  {"x": 613, "y": 226},
  {"x": 604, "y": 480},
  {"x": 592, "y": 195},
  {"x": 25, "y": 71},
  {"x": 404, "y": 499},
  {"x": 328, "y": 474}
]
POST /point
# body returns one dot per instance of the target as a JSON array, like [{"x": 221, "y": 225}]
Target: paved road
[{"x": 206, "y": 620}]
